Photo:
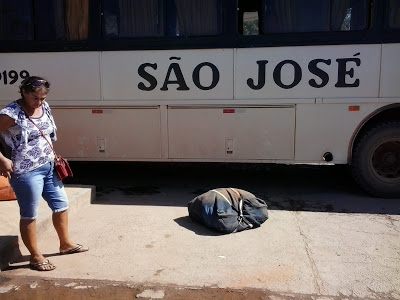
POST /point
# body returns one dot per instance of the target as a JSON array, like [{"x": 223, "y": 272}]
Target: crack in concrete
[
  {"x": 318, "y": 282},
  {"x": 392, "y": 223}
]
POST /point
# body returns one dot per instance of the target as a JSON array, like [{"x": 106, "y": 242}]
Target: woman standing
[{"x": 31, "y": 167}]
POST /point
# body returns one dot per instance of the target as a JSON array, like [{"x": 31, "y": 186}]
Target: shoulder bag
[{"x": 61, "y": 165}]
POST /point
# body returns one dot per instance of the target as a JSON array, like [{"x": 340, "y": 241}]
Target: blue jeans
[{"x": 30, "y": 187}]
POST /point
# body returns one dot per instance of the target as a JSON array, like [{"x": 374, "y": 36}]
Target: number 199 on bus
[{"x": 12, "y": 76}]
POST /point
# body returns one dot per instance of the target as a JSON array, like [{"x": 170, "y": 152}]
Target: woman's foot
[
  {"x": 78, "y": 248},
  {"x": 41, "y": 264}
]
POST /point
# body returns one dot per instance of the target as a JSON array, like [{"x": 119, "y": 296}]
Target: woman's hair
[{"x": 33, "y": 83}]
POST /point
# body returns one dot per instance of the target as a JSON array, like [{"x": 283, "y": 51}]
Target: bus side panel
[
  {"x": 108, "y": 133},
  {"x": 72, "y": 75},
  {"x": 307, "y": 72},
  {"x": 168, "y": 75},
  {"x": 229, "y": 134},
  {"x": 390, "y": 73},
  {"x": 324, "y": 128}
]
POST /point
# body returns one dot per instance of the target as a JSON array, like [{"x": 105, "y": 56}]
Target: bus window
[
  {"x": 249, "y": 17},
  {"x": 77, "y": 19},
  {"x": 250, "y": 23},
  {"x": 314, "y": 15},
  {"x": 356, "y": 15},
  {"x": 393, "y": 14},
  {"x": 155, "y": 18},
  {"x": 198, "y": 17},
  {"x": 61, "y": 19},
  {"x": 296, "y": 16},
  {"x": 16, "y": 20},
  {"x": 130, "y": 19}
]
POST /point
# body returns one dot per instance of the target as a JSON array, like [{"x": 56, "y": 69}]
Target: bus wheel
[{"x": 376, "y": 160}]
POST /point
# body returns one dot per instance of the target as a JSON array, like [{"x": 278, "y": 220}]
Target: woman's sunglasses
[{"x": 38, "y": 83}]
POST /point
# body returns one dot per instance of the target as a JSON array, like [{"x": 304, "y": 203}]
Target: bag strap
[
  {"x": 51, "y": 146},
  {"x": 223, "y": 196},
  {"x": 241, "y": 216},
  {"x": 240, "y": 201},
  {"x": 236, "y": 192}
]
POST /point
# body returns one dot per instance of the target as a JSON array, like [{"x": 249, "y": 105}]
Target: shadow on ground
[{"x": 293, "y": 188}]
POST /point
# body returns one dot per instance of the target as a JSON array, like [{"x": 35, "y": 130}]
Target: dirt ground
[
  {"x": 35, "y": 289},
  {"x": 25, "y": 288}
]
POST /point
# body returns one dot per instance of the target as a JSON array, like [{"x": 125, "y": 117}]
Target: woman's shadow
[{"x": 22, "y": 261}]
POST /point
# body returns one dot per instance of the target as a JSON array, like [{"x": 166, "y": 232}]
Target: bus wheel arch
[{"x": 375, "y": 155}]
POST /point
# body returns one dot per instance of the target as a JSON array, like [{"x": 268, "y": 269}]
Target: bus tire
[{"x": 376, "y": 160}]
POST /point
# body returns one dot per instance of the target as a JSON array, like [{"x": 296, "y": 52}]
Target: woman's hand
[{"x": 6, "y": 166}]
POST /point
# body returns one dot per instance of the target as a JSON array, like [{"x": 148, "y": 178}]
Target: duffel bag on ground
[{"x": 228, "y": 210}]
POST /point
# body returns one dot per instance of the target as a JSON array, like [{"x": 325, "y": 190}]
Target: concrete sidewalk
[
  {"x": 10, "y": 242},
  {"x": 150, "y": 240}
]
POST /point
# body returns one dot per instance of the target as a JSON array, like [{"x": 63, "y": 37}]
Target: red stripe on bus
[
  {"x": 228, "y": 111},
  {"x": 97, "y": 111},
  {"x": 354, "y": 108}
]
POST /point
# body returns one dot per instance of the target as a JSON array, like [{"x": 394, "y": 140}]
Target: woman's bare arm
[{"x": 6, "y": 122}]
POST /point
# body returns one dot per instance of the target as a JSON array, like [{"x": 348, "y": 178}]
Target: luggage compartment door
[{"x": 231, "y": 133}]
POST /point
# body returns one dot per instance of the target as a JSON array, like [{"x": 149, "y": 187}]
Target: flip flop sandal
[
  {"x": 77, "y": 249},
  {"x": 38, "y": 266}
]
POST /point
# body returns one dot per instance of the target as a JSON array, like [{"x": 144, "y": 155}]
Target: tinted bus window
[
  {"x": 314, "y": 15},
  {"x": 16, "y": 20},
  {"x": 77, "y": 19},
  {"x": 198, "y": 17},
  {"x": 129, "y": 19},
  {"x": 393, "y": 14},
  {"x": 61, "y": 19},
  {"x": 154, "y": 18}
]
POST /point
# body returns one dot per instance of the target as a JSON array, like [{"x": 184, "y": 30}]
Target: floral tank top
[{"x": 30, "y": 150}]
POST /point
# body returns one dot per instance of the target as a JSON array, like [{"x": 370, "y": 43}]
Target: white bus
[{"x": 254, "y": 81}]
